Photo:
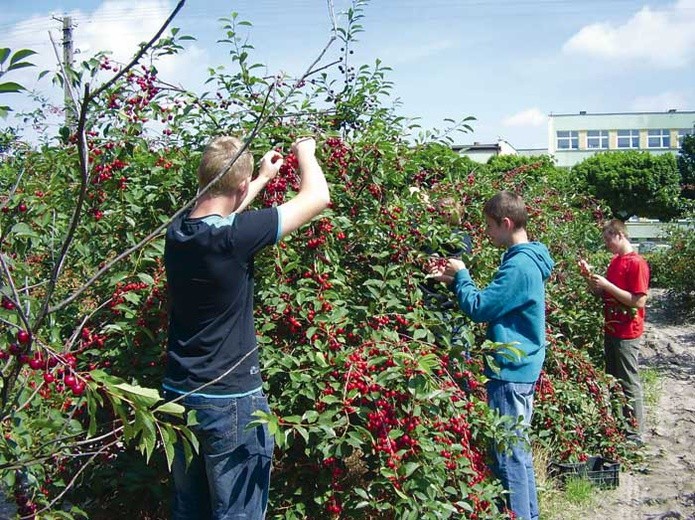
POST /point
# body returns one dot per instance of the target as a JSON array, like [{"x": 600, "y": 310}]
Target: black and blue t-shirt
[{"x": 209, "y": 266}]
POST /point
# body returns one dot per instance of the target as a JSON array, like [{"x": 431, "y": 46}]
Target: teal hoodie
[{"x": 513, "y": 306}]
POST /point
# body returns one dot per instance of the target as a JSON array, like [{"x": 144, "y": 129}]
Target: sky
[{"x": 508, "y": 63}]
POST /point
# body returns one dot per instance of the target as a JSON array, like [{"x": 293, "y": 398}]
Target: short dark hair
[{"x": 506, "y": 204}]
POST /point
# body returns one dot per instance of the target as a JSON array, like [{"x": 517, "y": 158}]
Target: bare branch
[
  {"x": 83, "y": 157},
  {"x": 260, "y": 123},
  {"x": 71, "y": 483},
  {"x": 84, "y": 165},
  {"x": 331, "y": 14},
  {"x": 66, "y": 76},
  {"x": 140, "y": 53}
]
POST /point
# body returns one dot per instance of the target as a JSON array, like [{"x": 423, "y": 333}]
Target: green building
[{"x": 574, "y": 137}]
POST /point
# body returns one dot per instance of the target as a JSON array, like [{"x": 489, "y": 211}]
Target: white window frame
[
  {"x": 632, "y": 137},
  {"x": 597, "y": 139},
  {"x": 659, "y": 138},
  {"x": 569, "y": 137}
]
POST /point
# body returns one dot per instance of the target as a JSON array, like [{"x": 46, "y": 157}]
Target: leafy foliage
[
  {"x": 686, "y": 166},
  {"x": 633, "y": 183},
  {"x": 377, "y": 395},
  {"x": 672, "y": 268},
  {"x": 17, "y": 61}
]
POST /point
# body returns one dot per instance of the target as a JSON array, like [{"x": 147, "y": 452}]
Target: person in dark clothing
[{"x": 212, "y": 357}]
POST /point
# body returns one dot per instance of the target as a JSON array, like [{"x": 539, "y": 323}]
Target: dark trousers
[{"x": 622, "y": 362}]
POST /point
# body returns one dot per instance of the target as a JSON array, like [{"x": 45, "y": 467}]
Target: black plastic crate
[
  {"x": 563, "y": 471},
  {"x": 603, "y": 473}
]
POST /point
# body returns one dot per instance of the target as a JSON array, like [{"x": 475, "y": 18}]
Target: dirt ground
[{"x": 663, "y": 485}]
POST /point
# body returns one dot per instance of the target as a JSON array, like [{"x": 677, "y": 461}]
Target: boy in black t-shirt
[{"x": 212, "y": 363}]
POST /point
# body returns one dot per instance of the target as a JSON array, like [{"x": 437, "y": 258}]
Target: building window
[
  {"x": 567, "y": 140},
  {"x": 682, "y": 133},
  {"x": 628, "y": 138},
  {"x": 597, "y": 139},
  {"x": 659, "y": 138}
]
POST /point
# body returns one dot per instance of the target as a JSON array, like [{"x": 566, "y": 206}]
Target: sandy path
[{"x": 663, "y": 486}]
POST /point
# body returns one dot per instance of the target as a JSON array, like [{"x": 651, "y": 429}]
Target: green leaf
[
  {"x": 310, "y": 416},
  {"x": 21, "y": 65},
  {"x": 168, "y": 440},
  {"x": 145, "y": 423},
  {"x": 20, "y": 55},
  {"x": 321, "y": 360},
  {"x": 146, "y": 278},
  {"x": 4, "y": 53},
  {"x": 303, "y": 432},
  {"x": 10, "y": 86},
  {"x": 22, "y": 229},
  {"x": 171, "y": 408},
  {"x": 149, "y": 394},
  {"x": 410, "y": 468}
]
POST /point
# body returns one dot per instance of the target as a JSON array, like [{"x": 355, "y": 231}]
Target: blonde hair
[
  {"x": 451, "y": 209},
  {"x": 615, "y": 227},
  {"x": 215, "y": 157}
]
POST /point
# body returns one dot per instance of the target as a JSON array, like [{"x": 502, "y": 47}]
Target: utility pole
[{"x": 68, "y": 103}]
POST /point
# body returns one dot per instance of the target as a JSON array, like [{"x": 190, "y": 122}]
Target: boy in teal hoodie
[{"x": 513, "y": 306}]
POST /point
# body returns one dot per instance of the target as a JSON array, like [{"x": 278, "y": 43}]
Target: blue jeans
[
  {"x": 514, "y": 466},
  {"x": 230, "y": 476}
]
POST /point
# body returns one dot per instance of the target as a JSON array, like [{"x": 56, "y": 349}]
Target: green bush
[
  {"x": 673, "y": 268},
  {"x": 633, "y": 183},
  {"x": 377, "y": 412}
]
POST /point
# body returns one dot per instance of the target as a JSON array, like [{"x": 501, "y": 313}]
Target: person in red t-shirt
[{"x": 624, "y": 290}]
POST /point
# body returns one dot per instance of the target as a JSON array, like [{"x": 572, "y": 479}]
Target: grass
[
  {"x": 651, "y": 386},
  {"x": 566, "y": 503},
  {"x": 579, "y": 495}
]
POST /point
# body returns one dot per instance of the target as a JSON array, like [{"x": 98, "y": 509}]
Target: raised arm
[
  {"x": 313, "y": 196},
  {"x": 268, "y": 169}
]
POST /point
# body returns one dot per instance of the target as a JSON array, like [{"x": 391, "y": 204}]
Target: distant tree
[
  {"x": 686, "y": 167},
  {"x": 633, "y": 183}
]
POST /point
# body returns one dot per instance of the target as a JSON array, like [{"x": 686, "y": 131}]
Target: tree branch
[{"x": 260, "y": 123}]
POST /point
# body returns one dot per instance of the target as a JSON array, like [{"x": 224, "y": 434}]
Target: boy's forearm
[
  {"x": 626, "y": 297},
  {"x": 255, "y": 187},
  {"x": 313, "y": 181}
]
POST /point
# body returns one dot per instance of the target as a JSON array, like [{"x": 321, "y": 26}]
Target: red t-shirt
[{"x": 630, "y": 272}]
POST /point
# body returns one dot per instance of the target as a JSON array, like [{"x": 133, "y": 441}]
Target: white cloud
[
  {"x": 530, "y": 117},
  {"x": 660, "y": 102},
  {"x": 664, "y": 38},
  {"x": 116, "y": 26}
]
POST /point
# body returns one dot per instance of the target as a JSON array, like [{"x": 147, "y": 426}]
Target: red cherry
[
  {"x": 22, "y": 207},
  {"x": 48, "y": 377},
  {"x": 23, "y": 337},
  {"x": 70, "y": 380},
  {"x": 78, "y": 388},
  {"x": 275, "y": 158}
]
